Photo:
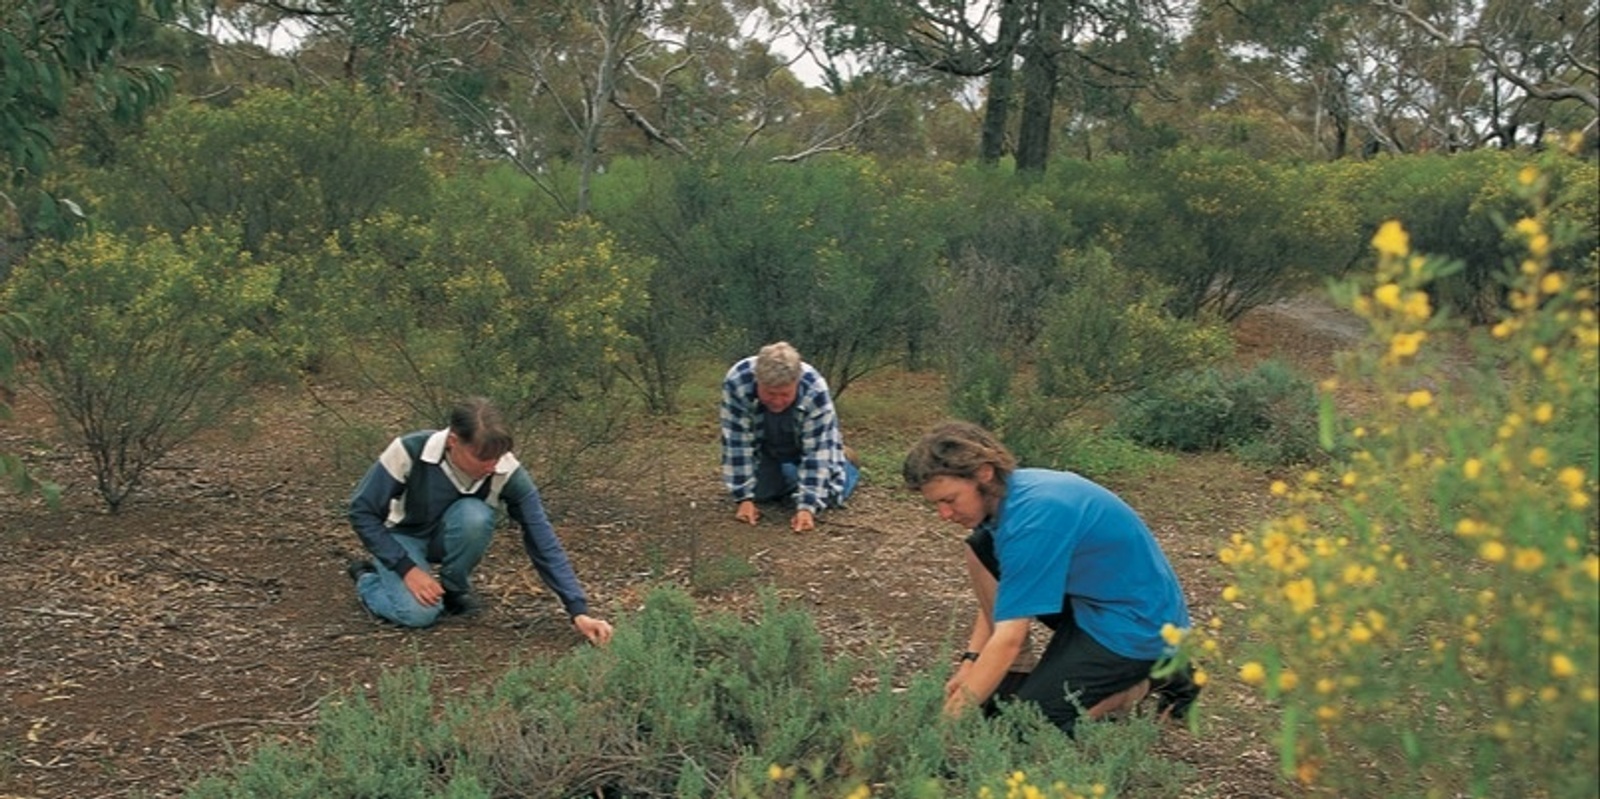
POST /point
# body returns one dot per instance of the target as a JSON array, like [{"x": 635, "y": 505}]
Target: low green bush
[
  {"x": 1042, "y": 435},
  {"x": 688, "y": 705},
  {"x": 1191, "y": 412},
  {"x": 1267, "y": 415},
  {"x": 138, "y": 346}
]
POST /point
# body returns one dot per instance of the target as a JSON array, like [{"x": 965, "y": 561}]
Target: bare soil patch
[{"x": 140, "y": 650}]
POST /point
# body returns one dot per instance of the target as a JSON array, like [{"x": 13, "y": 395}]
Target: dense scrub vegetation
[
  {"x": 684, "y": 705},
  {"x": 441, "y": 215}
]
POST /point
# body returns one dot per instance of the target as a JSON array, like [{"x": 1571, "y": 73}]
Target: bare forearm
[
  {"x": 977, "y": 681},
  {"x": 982, "y": 631}
]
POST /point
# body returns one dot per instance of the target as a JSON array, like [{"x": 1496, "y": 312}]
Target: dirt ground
[{"x": 140, "y": 650}]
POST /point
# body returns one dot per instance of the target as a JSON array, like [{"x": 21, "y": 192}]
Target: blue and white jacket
[{"x": 412, "y": 484}]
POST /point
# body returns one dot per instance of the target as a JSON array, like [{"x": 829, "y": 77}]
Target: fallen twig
[{"x": 289, "y": 719}]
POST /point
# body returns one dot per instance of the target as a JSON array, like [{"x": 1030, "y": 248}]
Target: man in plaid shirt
[{"x": 780, "y": 438}]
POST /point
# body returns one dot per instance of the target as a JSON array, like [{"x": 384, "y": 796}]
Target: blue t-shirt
[{"x": 1059, "y": 536}]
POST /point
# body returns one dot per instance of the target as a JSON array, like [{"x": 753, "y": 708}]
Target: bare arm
[
  {"x": 984, "y": 586},
  {"x": 997, "y": 645},
  {"x": 978, "y": 681}
]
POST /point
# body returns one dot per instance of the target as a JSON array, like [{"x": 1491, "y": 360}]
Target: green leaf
[
  {"x": 1325, "y": 421},
  {"x": 1411, "y": 746},
  {"x": 1286, "y": 741}
]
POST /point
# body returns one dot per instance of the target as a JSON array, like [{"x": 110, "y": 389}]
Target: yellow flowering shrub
[
  {"x": 1425, "y": 617},
  {"x": 138, "y": 345}
]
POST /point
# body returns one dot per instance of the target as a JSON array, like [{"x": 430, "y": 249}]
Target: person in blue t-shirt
[
  {"x": 426, "y": 510},
  {"x": 1053, "y": 547}
]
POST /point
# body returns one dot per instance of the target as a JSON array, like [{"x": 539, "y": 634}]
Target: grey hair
[{"x": 777, "y": 364}]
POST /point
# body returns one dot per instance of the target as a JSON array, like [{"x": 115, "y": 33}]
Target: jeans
[
  {"x": 457, "y": 546},
  {"x": 777, "y": 481}
]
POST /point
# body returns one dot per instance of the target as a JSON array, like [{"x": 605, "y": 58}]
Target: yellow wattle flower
[
  {"x": 1391, "y": 239},
  {"x": 1492, "y": 551},
  {"x": 1562, "y": 666},
  {"x": 1171, "y": 634},
  {"x": 1252, "y": 673}
]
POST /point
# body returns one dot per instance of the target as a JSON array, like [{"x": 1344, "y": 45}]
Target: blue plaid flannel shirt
[{"x": 821, "y": 468}]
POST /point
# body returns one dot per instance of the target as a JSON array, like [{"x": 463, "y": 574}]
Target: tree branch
[{"x": 1544, "y": 92}]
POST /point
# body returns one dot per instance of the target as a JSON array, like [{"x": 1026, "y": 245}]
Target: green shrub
[
  {"x": 980, "y": 386},
  {"x": 1101, "y": 453},
  {"x": 1267, "y": 415},
  {"x": 140, "y": 346},
  {"x": 1016, "y": 234},
  {"x": 685, "y": 705},
  {"x": 831, "y": 255},
  {"x": 1286, "y": 403},
  {"x": 1102, "y": 335},
  {"x": 486, "y": 303},
  {"x": 1049, "y": 440},
  {"x": 1106, "y": 333},
  {"x": 1458, "y": 207},
  {"x": 289, "y": 169},
  {"x": 1192, "y": 412},
  {"x": 1225, "y": 232}
]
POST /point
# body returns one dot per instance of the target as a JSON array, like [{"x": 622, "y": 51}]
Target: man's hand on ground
[
  {"x": 803, "y": 521},
  {"x": 598, "y": 631},
  {"x": 747, "y": 512}
]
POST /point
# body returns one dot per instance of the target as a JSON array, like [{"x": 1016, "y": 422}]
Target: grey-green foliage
[
  {"x": 639, "y": 199},
  {"x": 287, "y": 169},
  {"x": 686, "y": 704},
  {"x": 999, "y": 276},
  {"x": 482, "y": 299},
  {"x": 830, "y": 255},
  {"x": 1099, "y": 452},
  {"x": 140, "y": 345},
  {"x": 1267, "y": 414},
  {"x": 1108, "y": 333},
  {"x": 1102, "y": 332},
  {"x": 1014, "y": 234},
  {"x": 1224, "y": 232}
]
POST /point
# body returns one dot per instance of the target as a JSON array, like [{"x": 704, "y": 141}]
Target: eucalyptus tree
[
  {"x": 383, "y": 43},
  {"x": 573, "y": 81},
  {"x": 49, "y": 48},
  {"x": 952, "y": 37},
  {"x": 1031, "y": 47},
  {"x": 1533, "y": 64},
  {"x": 1385, "y": 75},
  {"x": 556, "y": 87},
  {"x": 1296, "y": 59}
]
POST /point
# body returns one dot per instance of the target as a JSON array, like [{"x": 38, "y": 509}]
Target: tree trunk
[
  {"x": 1040, "y": 75},
  {"x": 997, "y": 106}
]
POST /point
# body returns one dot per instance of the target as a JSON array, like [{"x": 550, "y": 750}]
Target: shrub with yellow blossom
[{"x": 1425, "y": 615}]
